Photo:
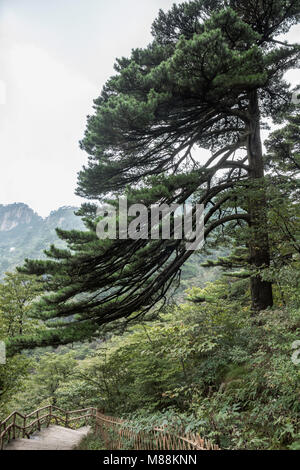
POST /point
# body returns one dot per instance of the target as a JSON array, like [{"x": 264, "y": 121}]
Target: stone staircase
[{"x": 52, "y": 438}]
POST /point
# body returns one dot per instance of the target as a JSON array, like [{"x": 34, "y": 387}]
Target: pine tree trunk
[{"x": 261, "y": 291}]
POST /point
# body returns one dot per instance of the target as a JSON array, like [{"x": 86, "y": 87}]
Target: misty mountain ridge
[{"x": 25, "y": 234}]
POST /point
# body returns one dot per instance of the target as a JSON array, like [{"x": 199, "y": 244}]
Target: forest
[{"x": 143, "y": 329}]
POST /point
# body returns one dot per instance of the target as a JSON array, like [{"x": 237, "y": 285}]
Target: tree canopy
[{"x": 210, "y": 78}]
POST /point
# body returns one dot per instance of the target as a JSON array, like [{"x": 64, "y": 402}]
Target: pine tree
[
  {"x": 282, "y": 163},
  {"x": 209, "y": 79}
]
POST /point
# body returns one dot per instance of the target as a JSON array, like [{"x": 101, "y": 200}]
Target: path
[{"x": 52, "y": 438}]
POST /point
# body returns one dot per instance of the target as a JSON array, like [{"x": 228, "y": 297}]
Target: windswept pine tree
[{"x": 209, "y": 80}]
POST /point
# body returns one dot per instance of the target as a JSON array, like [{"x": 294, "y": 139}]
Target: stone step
[{"x": 52, "y": 438}]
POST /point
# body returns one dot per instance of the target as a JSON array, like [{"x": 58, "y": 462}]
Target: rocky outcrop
[
  {"x": 13, "y": 215},
  {"x": 24, "y": 234}
]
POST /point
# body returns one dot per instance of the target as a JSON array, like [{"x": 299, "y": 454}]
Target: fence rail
[
  {"x": 18, "y": 425},
  {"x": 118, "y": 434}
]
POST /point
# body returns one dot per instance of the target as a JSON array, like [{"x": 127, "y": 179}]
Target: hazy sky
[{"x": 55, "y": 56}]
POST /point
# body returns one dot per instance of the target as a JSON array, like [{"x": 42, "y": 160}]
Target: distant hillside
[{"x": 24, "y": 234}]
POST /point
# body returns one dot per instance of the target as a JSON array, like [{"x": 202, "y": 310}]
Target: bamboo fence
[{"x": 118, "y": 434}]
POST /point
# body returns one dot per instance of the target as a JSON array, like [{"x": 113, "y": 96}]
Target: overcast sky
[{"x": 55, "y": 56}]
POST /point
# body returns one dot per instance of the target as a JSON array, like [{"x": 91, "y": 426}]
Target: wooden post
[
  {"x": 24, "y": 426},
  {"x": 50, "y": 415},
  {"x": 14, "y": 426},
  {"x": 97, "y": 425},
  {"x": 1, "y": 439},
  {"x": 38, "y": 420}
]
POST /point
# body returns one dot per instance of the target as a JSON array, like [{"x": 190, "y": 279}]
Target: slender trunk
[{"x": 261, "y": 291}]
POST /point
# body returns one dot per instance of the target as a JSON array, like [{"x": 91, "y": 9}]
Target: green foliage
[
  {"x": 91, "y": 442},
  {"x": 53, "y": 369},
  {"x": 52, "y": 372},
  {"x": 208, "y": 367},
  {"x": 211, "y": 73},
  {"x": 12, "y": 376},
  {"x": 17, "y": 292}
]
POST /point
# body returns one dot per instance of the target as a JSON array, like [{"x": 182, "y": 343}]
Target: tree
[
  {"x": 211, "y": 76},
  {"x": 12, "y": 375},
  {"x": 17, "y": 292},
  {"x": 52, "y": 370},
  {"x": 283, "y": 159},
  {"x": 282, "y": 162}
]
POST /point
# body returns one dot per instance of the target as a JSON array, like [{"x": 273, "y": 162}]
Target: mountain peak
[
  {"x": 24, "y": 234},
  {"x": 13, "y": 215}
]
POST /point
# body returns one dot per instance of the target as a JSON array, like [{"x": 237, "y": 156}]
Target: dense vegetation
[
  {"x": 113, "y": 326},
  {"x": 211, "y": 77},
  {"x": 208, "y": 365}
]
